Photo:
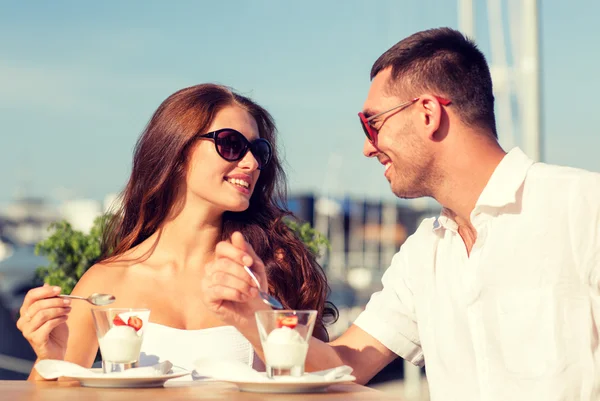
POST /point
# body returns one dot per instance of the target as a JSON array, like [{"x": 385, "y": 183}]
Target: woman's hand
[
  {"x": 43, "y": 322},
  {"x": 228, "y": 290}
]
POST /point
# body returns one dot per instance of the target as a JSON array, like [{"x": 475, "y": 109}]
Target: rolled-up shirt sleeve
[{"x": 390, "y": 313}]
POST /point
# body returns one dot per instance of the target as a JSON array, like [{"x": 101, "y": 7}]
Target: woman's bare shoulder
[{"x": 103, "y": 277}]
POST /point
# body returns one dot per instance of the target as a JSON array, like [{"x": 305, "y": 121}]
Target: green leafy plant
[
  {"x": 71, "y": 252},
  {"x": 314, "y": 240}
]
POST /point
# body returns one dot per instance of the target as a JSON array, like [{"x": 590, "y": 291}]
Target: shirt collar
[
  {"x": 445, "y": 220},
  {"x": 506, "y": 180},
  {"x": 500, "y": 190}
]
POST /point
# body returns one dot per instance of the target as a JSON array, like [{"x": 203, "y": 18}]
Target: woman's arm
[{"x": 82, "y": 343}]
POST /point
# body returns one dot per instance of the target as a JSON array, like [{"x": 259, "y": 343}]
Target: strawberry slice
[
  {"x": 287, "y": 321},
  {"x": 117, "y": 321},
  {"x": 135, "y": 322}
]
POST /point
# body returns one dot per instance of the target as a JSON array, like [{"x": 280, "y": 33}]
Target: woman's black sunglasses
[{"x": 232, "y": 146}]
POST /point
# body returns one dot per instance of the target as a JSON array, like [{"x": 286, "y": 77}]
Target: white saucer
[
  {"x": 115, "y": 381},
  {"x": 289, "y": 385}
]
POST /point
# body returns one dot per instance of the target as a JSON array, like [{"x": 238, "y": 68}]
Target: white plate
[
  {"x": 114, "y": 381},
  {"x": 281, "y": 385}
]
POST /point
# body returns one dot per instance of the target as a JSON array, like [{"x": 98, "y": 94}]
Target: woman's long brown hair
[{"x": 159, "y": 167}]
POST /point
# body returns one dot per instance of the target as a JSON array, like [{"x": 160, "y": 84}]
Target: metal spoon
[
  {"x": 94, "y": 299},
  {"x": 268, "y": 299}
]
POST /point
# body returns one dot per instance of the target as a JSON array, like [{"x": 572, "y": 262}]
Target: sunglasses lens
[
  {"x": 262, "y": 152},
  {"x": 231, "y": 145},
  {"x": 367, "y": 133},
  {"x": 365, "y": 127}
]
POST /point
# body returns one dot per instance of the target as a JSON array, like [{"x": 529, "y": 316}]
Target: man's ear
[{"x": 431, "y": 112}]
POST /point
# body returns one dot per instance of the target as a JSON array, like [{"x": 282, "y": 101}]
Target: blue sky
[{"x": 79, "y": 81}]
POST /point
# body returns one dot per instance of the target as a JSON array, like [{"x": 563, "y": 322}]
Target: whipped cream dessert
[
  {"x": 121, "y": 344},
  {"x": 285, "y": 348}
]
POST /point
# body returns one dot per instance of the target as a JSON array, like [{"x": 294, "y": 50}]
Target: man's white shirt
[{"x": 518, "y": 318}]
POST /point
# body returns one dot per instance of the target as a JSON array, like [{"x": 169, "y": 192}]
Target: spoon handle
[
  {"x": 251, "y": 273},
  {"x": 72, "y": 297}
]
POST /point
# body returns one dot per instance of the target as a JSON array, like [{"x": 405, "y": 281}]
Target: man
[{"x": 498, "y": 296}]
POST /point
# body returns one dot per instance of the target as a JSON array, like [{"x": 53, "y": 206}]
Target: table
[{"x": 177, "y": 390}]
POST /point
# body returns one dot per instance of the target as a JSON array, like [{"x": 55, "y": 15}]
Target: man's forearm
[
  {"x": 355, "y": 348},
  {"x": 322, "y": 356}
]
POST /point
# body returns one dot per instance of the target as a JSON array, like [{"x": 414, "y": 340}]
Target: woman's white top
[{"x": 183, "y": 347}]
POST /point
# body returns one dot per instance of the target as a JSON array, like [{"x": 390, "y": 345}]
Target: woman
[{"x": 206, "y": 182}]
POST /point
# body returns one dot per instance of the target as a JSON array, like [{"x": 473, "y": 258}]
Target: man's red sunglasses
[{"x": 371, "y": 132}]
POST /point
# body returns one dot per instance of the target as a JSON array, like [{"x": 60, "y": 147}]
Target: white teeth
[
  {"x": 238, "y": 182},
  {"x": 388, "y": 165}
]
